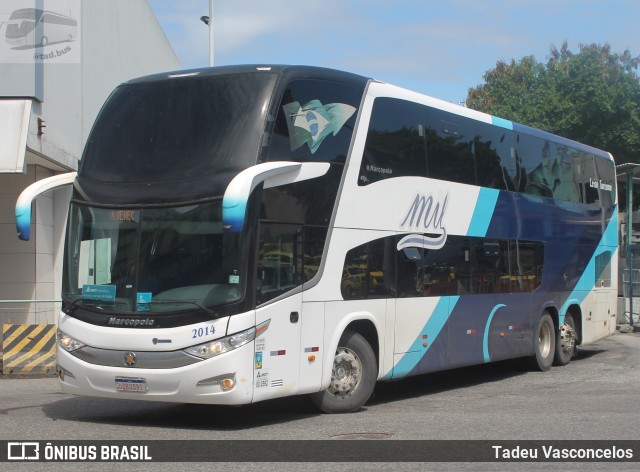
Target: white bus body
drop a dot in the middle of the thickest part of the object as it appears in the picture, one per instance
(379, 234)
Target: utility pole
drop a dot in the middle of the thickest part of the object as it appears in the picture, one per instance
(208, 20)
(211, 33)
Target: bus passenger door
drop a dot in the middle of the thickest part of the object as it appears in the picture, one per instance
(279, 271)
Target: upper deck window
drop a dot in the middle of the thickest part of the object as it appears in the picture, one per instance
(315, 121)
(409, 139)
(396, 142)
(179, 129)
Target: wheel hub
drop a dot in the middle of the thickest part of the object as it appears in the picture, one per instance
(567, 338)
(544, 340)
(347, 372)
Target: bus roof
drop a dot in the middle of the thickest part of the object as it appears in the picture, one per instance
(287, 71)
(34, 14)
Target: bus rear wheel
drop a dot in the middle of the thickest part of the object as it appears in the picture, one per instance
(353, 376)
(565, 341)
(545, 344)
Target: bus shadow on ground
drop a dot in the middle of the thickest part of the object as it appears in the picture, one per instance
(463, 377)
(448, 380)
(180, 415)
(278, 411)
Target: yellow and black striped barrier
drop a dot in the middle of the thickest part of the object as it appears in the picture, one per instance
(28, 349)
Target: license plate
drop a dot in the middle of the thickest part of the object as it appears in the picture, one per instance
(130, 384)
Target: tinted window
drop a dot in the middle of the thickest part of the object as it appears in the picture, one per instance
(288, 255)
(495, 157)
(381, 264)
(409, 268)
(462, 266)
(538, 160)
(450, 151)
(313, 244)
(459, 149)
(588, 179)
(506, 265)
(354, 274)
(551, 170)
(306, 202)
(396, 142)
(167, 254)
(448, 270)
(369, 271)
(606, 174)
(568, 174)
(596, 180)
(279, 265)
(178, 129)
(315, 121)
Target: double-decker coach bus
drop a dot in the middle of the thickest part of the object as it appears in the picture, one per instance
(242, 233)
(35, 27)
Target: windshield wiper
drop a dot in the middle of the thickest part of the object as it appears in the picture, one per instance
(71, 308)
(192, 302)
(75, 304)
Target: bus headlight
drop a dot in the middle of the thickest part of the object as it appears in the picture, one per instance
(226, 344)
(68, 343)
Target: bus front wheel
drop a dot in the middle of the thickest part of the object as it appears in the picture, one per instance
(545, 343)
(353, 376)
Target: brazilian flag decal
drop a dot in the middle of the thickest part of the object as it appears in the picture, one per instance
(313, 122)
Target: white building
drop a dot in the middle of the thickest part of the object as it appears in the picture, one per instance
(59, 60)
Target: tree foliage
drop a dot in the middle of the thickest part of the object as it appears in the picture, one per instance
(592, 96)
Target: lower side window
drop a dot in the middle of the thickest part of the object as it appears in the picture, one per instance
(462, 266)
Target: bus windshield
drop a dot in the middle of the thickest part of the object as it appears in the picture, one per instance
(22, 22)
(151, 260)
(193, 125)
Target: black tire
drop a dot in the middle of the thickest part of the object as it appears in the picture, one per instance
(563, 353)
(44, 41)
(355, 371)
(545, 344)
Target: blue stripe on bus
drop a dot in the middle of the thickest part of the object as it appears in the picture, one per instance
(587, 281)
(23, 222)
(501, 122)
(485, 205)
(431, 329)
(485, 338)
(233, 214)
(451, 319)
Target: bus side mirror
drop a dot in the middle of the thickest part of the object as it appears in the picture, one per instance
(23, 205)
(271, 174)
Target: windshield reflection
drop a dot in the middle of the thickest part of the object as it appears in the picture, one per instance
(151, 260)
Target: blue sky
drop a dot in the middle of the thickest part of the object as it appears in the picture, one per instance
(437, 47)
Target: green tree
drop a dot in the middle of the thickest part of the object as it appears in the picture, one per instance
(592, 96)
